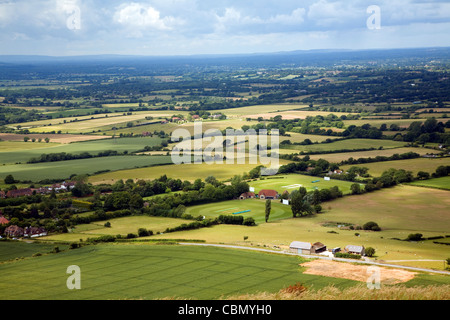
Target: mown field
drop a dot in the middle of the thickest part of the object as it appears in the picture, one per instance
(291, 182)
(154, 272)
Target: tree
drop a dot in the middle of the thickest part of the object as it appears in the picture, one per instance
(422, 175)
(47, 139)
(371, 225)
(356, 188)
(299, 204)
(9, 179)
(268, 208)
(370, 251)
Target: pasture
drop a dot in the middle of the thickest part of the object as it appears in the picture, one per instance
(399, 211)
(291, 182)
(64, 169)
(439, 183)
(142, 271)
(189, 172)
(414, 165)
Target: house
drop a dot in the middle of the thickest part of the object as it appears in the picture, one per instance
(300, 247)
(33, 232)
(196, 117)
(2, 194)
(247, 195)
(318, 247)
(19, 193)
(3, 220)
(355, 249)
(175, 119)
(268, 194)
(14, 231)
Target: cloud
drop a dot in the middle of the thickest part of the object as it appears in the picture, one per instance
(140, 16)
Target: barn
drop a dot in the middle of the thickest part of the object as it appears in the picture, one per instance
(318, 247)
(247, 195)
(300, 247)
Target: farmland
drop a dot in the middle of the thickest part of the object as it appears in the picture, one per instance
(358, 143)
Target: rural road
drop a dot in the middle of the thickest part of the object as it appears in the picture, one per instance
(318, 257)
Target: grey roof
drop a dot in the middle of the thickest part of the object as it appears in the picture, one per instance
(300, 245)
(354, 248)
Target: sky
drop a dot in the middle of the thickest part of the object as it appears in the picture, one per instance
(188, 27)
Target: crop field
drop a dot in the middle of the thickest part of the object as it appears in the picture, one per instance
(24, 249)
(291, 182)
(414, 165)
(64, 169)
(155, 272)
(57, 138)
(439, 183)
(348, 144)
(122, 226)
(402, 123)
(23, 152)
(189, 172)
(338, 157)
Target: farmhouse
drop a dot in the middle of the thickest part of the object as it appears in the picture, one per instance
(247, 195)
(34, 232)
(300, 247)
(14, 231)
(355, 249)
(268, 194)
(19, 193)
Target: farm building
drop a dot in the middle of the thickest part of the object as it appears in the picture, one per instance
(2, 194)
(355, 249)
(268, 194)
(19, 193)
(300, 247)
(14, 231)
(34, 232)
(247, 195)
(318, 247)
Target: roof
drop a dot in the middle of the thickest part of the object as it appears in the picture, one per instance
(353, 248)
(266, 192)
(248, 194)
(318, 245)
(3, 220)
(300, 245)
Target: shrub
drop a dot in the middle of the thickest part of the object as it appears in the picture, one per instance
(347, 255)
(370, 251)
(414, 237)
(371, 226)
(249, 222)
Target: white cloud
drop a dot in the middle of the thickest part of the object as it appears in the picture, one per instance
(141, 16)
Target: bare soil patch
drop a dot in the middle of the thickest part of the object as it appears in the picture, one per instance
(355, 272)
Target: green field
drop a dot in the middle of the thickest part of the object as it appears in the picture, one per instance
(439, 183)
(399, 211)
(291, 182)
(349, 144)
(189, 172)
(64, 169)
(153, 272)
(414, 165)
(13, 152)
(256, 207)
(122, 226)
(10, 250)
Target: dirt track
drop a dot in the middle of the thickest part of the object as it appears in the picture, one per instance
(355, 272)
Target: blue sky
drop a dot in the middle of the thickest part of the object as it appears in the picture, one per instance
(184, 27)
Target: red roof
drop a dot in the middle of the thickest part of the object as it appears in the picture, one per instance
(268, 193)
(3, 220)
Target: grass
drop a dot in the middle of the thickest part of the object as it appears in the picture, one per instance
(439, 183)
(10, 250)
(121, 226)
(64, 169)
(123, 271)
(399, 211)
(21, 153)
(349, 144)
(189, 172)
(414, 165)
(282, 183)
